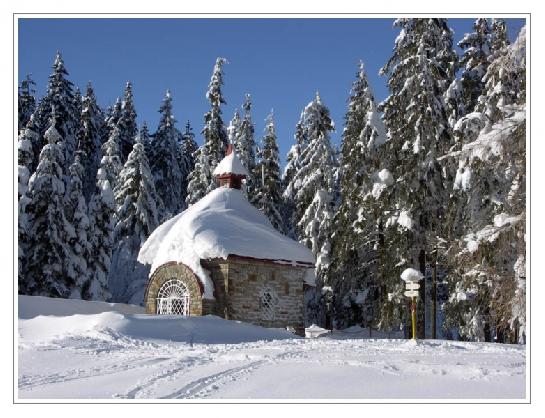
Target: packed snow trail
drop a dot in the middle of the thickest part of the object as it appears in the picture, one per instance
(111, 355)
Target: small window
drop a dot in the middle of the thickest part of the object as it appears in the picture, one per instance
(287, 289)
(268, 302)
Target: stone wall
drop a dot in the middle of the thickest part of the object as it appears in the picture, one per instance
(247, 282)
(174, 271)
(249, 290)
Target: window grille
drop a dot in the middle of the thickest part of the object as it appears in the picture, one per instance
(173, 298)
(268, 302)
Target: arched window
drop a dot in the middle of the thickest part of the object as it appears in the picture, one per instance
(173, 298)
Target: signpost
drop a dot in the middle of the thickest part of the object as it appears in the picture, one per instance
(412, 286)
(411, 278)
(411, 293)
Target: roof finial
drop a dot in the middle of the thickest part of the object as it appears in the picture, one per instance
(229, 149)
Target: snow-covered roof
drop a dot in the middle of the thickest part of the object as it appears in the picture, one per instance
(230, 165)
(222, 223)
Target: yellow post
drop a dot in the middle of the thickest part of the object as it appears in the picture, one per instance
(413, 317)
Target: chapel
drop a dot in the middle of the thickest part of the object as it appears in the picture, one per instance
(222, 256)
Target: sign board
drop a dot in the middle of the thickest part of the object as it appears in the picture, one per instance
(411, 293)
(412, 286)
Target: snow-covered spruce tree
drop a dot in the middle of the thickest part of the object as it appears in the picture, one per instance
(188, 147)
(245, 146)
(146, 139)
(127, 123)
(498, 38)
(488, 212)
(268, 192)
(136, 218)
(24, 161)
(26, 101)
(234, 127)
(111, 118)
(354, 269)
(314, 188)
(293, 164)
(207, 157)
(75, 209)
(165, 162)
(474, 62)
(101, 239)
(420, 70)
(314, 121)
(45, 270)
(111, 158)
(188, 140)
(60, 96)
(89, 140)
(28, 141)
(78, 103)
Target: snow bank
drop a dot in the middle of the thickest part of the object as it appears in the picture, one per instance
(222, 223)
(121, 328)
(411, 275)
(32, 306)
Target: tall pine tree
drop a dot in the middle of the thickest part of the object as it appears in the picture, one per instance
(26, 101)
(165, 162)
(201, 180)
(60, 96)
(268, 191)
(355, 243)
(188, 147)
(136, 219)
(24, 160)
(75, 209)
(110, 162)
(46, 268)
(89, 140)
(420, 69)
(487, 214)
(245, 144)
(313, 188)
(127, 123)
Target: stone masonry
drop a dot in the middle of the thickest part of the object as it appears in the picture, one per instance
(174, 271)
(250, 290)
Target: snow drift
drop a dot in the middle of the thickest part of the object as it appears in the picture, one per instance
(53, 320)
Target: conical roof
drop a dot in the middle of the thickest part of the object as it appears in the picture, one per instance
(230, 164)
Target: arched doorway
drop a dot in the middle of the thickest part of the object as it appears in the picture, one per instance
(173, 298)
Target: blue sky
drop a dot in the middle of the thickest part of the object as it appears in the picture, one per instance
(280, 62)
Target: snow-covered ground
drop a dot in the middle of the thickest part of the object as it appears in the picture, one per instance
(81, 350)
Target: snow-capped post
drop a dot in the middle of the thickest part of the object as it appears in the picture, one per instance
(411, 277)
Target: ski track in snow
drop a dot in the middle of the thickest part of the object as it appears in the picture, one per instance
(123, 356)
(181, 371)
